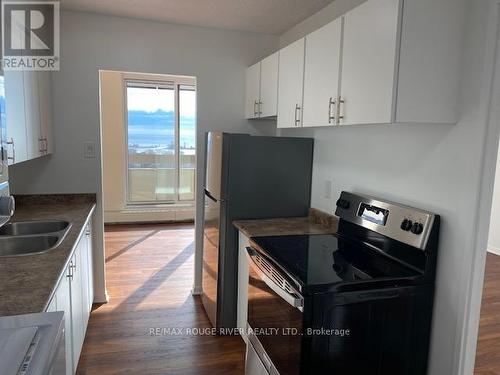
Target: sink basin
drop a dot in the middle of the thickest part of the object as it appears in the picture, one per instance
(23, 228)
(11, 246)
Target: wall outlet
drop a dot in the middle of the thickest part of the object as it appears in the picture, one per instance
(89, 150)
(327, 193)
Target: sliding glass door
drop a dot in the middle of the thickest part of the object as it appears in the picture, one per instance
(161, 133)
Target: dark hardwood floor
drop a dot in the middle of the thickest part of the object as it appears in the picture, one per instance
(488, 344)
(149, 280)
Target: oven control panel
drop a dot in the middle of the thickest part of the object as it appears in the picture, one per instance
(403, 223)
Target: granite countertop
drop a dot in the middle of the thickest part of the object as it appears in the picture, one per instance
(28, 282)
(317, 222)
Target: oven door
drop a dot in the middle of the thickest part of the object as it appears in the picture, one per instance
(274, 316)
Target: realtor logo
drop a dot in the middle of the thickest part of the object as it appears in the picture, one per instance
(30, 35)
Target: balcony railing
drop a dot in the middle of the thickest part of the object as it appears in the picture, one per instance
(152, 178)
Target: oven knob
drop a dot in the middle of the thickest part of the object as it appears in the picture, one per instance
(417, 228)
(406, 225)
(342, 203)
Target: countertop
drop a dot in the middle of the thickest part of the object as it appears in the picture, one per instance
(317, 222)
(28, 282)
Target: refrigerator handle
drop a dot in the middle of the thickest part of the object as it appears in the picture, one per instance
(207, 193)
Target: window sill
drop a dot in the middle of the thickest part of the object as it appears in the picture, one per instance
(159, 207)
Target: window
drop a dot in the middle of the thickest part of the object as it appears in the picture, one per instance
(161, 138)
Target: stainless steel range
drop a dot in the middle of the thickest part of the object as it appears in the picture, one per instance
(358, 302)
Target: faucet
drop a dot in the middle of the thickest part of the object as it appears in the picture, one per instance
(7, 208)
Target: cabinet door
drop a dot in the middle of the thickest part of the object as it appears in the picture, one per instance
(321, 74)
(369, 62)
(269, 86)
(63, 298)
(77, 307)
(88, 235)
(252, 91)
(290, 85)
(84, 266)
(15, 117)
(45, 100)
(87, 273)
(32, 110)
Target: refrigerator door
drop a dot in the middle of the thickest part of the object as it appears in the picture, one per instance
(211, 257)
(214, 164)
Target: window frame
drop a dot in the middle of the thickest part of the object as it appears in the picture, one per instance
(167, 82)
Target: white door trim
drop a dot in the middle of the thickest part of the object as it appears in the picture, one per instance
(474, 265)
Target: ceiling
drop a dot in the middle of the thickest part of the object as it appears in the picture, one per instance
(262, 16)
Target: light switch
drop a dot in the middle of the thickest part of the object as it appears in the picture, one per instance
(328, 189)
(89, 150)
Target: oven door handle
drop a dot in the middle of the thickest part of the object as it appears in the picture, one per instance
(294, 298)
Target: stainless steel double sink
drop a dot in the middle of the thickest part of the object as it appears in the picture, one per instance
(31, 237)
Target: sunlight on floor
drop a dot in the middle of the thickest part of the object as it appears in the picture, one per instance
(150, 271)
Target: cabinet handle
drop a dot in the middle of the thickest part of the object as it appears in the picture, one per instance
(297, 115)
(260, 108)
(70, 271)
(340, 113)
(13, 157)
(255, 104)
(331, 105)
(46, 145)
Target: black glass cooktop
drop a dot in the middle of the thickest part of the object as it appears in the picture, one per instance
(326, 259)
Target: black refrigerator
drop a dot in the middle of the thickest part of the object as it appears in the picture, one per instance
(246, 177)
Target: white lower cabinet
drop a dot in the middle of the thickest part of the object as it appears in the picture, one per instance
(77, 303)
(74, 296)
(88, 277)
(242, 304)
(61, 301)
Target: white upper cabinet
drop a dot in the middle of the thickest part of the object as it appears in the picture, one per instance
(430, 60)
(46, 130)
(385, 61)
(253, 91)
(269, 86)
(290, 85)
(28, 110)
(321, 75)
(401, 62)
(262, 88)
(15, 117)
(32, 110)
(369, 63)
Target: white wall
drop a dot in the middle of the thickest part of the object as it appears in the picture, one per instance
(494, 237)
(435, 167)
(90, 42)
